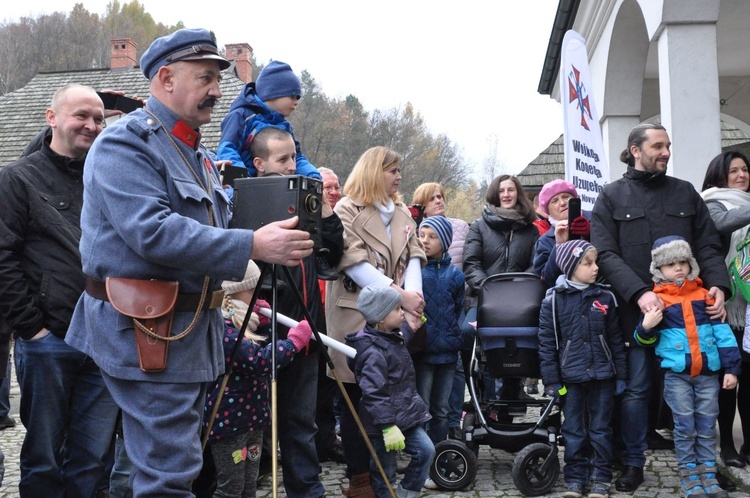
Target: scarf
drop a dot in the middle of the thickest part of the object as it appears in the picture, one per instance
(386, 213)
(505, 213)
(730, 198)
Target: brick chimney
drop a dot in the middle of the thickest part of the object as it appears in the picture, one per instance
(241, 54)
(122, 54)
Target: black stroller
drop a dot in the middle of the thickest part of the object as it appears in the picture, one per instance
(506, 346)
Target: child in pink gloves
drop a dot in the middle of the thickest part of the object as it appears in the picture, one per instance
(236, 437)
(391, 410)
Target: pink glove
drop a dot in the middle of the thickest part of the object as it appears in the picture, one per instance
(580, 226)
(261, 303)
(300, 335)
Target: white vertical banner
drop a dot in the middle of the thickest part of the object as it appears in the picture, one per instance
(585, 162)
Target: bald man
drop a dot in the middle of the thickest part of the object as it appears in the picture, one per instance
(65, 405)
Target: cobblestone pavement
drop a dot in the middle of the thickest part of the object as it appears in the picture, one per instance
(494, 479)
(493, 475)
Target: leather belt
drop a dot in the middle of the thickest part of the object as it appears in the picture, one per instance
(185, 302)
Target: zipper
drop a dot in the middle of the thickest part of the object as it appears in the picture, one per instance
(565, 353)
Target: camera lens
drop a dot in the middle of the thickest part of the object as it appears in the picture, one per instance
(312, 204)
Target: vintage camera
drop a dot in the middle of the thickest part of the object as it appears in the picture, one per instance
(263, 200)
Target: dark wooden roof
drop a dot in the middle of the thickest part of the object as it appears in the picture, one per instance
(22, 111)
(550, 163)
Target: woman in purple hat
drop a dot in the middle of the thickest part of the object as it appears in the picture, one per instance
(553, 200)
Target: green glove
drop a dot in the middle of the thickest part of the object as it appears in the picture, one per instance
(394, 439)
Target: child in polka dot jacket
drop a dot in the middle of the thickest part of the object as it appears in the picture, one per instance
(237, 432)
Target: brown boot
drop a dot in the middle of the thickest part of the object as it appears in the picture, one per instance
(359, 487)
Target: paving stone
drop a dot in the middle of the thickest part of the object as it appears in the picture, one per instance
(493, 473)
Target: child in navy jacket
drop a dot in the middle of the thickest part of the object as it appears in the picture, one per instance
(392, 412)
(443, 287)
(582, 355)
(236, 435)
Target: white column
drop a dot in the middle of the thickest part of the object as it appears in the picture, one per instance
(615, 132)
(689, 97)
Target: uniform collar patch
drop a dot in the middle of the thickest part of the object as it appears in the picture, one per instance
(186, 134)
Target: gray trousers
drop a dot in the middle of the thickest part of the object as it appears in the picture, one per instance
(161, 425)
(237, 459)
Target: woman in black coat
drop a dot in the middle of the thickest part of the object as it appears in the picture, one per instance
(501, 241)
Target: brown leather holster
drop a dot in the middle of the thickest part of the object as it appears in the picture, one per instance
(150, 303)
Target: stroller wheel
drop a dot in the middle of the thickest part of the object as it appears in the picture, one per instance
(529, 476)
(454, 467)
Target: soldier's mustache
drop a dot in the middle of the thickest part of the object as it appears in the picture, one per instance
(209, 102)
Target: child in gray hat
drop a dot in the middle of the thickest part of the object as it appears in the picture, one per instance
(694, 352)
(391, 410)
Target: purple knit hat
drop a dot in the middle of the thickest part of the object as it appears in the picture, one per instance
(553, 188)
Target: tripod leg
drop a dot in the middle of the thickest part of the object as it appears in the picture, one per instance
(274, 395)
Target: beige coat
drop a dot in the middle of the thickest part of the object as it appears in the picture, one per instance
(366, 239)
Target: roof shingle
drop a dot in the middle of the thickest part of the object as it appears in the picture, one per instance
(22, 111)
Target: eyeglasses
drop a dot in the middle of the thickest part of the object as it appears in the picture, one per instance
(330, 188)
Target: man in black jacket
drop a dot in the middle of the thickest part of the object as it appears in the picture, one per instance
(273, 153)
(629, 215)
(68, 413)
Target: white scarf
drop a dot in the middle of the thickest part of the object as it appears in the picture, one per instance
(730, 198)
(386, 213)
(737, 309)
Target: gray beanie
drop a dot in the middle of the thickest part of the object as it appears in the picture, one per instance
(376, 301)
(249, 281)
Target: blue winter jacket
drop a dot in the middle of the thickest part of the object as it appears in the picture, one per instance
(247, 115)
(443, 287)
(583, 341)
(686, 337)
(385, 373)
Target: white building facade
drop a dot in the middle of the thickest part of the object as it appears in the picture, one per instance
(684, 63)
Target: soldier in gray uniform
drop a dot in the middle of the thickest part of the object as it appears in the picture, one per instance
(154, 209)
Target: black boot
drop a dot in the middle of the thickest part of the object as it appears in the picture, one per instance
(455, 433)
(630, 479)
(725, 483)
(731, 458)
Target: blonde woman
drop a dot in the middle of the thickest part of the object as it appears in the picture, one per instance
(382, 248)
(432, 196)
